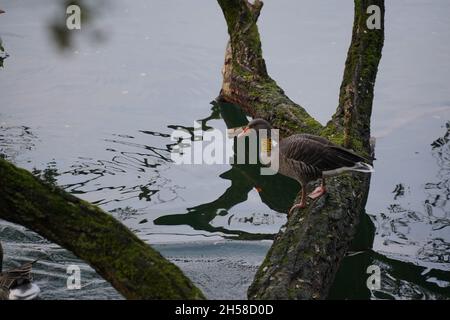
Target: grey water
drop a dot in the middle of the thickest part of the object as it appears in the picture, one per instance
(96, 119)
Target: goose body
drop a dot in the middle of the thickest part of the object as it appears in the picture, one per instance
(16, 284)
(306, 158)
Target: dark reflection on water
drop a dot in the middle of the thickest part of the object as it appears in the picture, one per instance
(402, 277)
(135, 179)
(276, 191)
(422, 275)
(146, 161)
(3, 54)
(146, 167)
(15, 140)
(397, 224)
(425, 275)
(399, 280)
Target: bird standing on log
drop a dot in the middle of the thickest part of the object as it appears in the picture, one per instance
(17, 284)
(306, 158)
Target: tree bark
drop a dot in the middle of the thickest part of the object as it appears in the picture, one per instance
(307, 252)
(245, 78)
(135, 269)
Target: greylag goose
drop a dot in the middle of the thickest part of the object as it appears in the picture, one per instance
(306, 158)
(17, 284)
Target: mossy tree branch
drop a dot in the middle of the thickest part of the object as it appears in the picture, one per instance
(135, 269)
(350, 125)
(307, 252)
(245, 78)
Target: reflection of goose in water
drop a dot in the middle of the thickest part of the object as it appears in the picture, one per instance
(17, 284)
(306, 158)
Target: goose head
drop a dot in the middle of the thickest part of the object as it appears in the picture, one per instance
(255, 124)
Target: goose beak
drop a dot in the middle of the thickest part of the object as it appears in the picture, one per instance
(244, 132)
(1, 11)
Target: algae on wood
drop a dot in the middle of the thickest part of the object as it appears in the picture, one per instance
(135, 269)
(307, 252)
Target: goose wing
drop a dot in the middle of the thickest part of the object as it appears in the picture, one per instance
(318, 152)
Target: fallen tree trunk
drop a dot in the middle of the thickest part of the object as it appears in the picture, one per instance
(135, 269)
(307, 252)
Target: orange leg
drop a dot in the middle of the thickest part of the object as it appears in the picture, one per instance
(300, 205)
(319, 191)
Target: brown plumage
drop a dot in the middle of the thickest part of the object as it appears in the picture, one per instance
(313, 156)
(18, 279)
(305, 158)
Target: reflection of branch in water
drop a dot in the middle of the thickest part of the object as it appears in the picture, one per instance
(421, 230)
(399, 279)
(437, 202)
(399, 191)
(152, 161)
(276, 191)
(3, 53)
(215, 114)
(148, 164)
(405, 279)
(14, 141)
(99, 177)
(397, 227)
(439, 192)
(244, 178)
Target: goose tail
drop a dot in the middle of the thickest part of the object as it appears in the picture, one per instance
(363, 167)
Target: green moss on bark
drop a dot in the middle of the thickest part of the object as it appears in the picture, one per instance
(306, 254)
(351, 122)
(131, 266)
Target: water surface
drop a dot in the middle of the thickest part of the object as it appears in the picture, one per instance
(97, 120)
